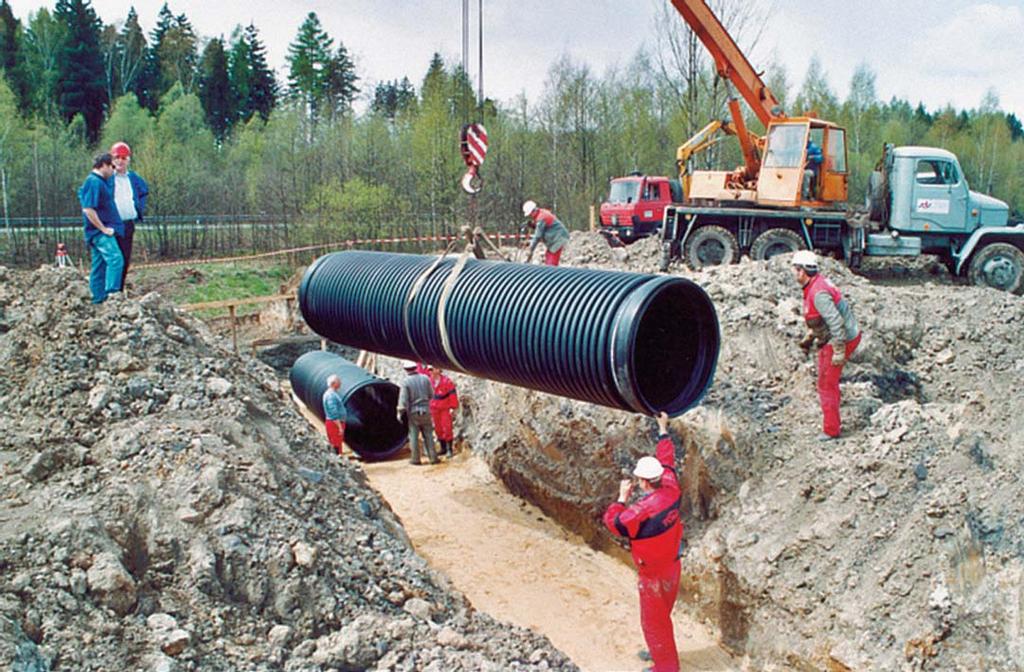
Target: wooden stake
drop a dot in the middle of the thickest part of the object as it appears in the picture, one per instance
(234, 328)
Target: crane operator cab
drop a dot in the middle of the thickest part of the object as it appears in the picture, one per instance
(804, 164)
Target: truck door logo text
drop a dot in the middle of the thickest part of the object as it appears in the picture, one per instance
(933, 206)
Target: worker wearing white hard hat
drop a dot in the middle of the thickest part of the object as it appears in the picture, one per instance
(655, 534)
(832, 326)
(806, 259)
(547, 228)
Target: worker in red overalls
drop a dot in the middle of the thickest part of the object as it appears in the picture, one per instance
(832, 325)
(442, 406)
(655, 532)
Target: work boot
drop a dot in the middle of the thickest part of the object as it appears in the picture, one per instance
(825, 437)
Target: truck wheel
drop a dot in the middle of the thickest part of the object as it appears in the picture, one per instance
(774, 242)
(711, 246)
(1000, 266)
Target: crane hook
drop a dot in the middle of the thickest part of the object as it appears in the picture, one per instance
(473, 145)
(471, 182)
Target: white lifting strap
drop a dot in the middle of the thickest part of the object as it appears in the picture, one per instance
(442, 307)
(414, 292)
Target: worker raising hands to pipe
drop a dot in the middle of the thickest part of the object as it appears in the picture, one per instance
(655, 532)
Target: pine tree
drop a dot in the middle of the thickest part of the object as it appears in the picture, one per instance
(341, 82)
(238, 70)
(132, 53)
(44, 39)
(81, 83)
(435, 82)
(1016, 129)
(310, 66)
(10, 55)
(252, 81)
(385, 99)
(215, 91)
(149, 86)
(392, 98)
(9, 28)
(174, 57)
(109, 49)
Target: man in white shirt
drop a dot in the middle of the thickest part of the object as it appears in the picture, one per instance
(130, 192)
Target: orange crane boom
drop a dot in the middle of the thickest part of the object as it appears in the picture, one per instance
(729, 60)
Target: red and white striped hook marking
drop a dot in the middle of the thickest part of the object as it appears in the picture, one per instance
(474, 150)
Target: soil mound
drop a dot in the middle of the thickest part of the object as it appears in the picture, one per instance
(162, 507)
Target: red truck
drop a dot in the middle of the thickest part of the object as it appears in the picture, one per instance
(635, 207)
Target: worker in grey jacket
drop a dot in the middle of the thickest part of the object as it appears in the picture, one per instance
(414, 410)
(830, 323)
(547, 228)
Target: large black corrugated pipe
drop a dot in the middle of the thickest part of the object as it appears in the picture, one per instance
(643, 343)
(372, 429)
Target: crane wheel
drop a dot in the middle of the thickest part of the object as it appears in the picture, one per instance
(1000, 266)
(711, 246)
(774, 242)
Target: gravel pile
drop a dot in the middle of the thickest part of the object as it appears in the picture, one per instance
(898, 547)
(163, 507)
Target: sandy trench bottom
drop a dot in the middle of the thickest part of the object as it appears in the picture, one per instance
(516, 564)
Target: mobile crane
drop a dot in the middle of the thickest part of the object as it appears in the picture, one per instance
(920, 202)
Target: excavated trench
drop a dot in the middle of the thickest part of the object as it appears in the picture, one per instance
(864, 554)
(526, 549)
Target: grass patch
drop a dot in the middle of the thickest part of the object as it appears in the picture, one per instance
(217, 282)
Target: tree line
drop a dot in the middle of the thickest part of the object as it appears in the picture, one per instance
(216, 131)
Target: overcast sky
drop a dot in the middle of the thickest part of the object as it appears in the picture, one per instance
(934, 51)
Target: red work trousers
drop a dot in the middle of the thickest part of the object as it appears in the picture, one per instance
(658, 588)
(828, 386)
(443, 427)
(552, 258)
(335, 434)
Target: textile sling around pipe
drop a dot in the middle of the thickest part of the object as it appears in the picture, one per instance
(372, 430)
(641, 343)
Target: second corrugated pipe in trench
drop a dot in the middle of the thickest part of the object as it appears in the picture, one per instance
(643, 343)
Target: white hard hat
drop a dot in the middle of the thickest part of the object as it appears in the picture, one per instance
(648, 468)
(528, 207)
(409, 365)
(805, 258)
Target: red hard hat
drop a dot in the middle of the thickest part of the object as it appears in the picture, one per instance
(120, 150)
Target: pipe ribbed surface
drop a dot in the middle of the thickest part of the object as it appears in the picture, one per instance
(372, 429)
(636, 342)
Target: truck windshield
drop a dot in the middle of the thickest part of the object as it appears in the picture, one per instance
(624, 191)
(786, 146)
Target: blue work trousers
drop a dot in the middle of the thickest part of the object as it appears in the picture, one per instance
(107, 267)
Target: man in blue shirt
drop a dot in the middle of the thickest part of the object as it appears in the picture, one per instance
(102, 225)
(335, 416)
(811, 169)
